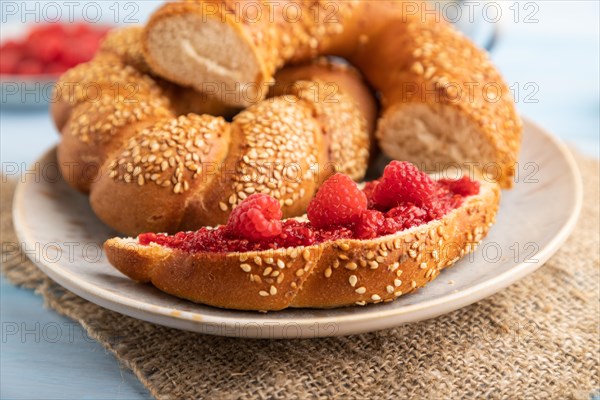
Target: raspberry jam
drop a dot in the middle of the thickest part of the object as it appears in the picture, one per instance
(375, 220)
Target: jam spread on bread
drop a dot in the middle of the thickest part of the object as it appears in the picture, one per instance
(402, 198)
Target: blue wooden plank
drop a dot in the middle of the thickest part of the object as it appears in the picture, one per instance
(45, 355)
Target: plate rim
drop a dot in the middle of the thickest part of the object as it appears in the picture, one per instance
(197, 322)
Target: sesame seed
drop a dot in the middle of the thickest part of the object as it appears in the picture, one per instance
(375, 297)
(246, 267)
(398, 293)
(423, 265)
(373, 264)
(258, 261)
(273, 290)
(389, 289)
(300, 272)
(222, 206)
(344, 246)
(397, 282)
(361, 290)
(417, 68)
(351, 266)
(343, 257)
(263, 293)
(280, 264)
(267, 271)
(306, 255)
(243, 257)
(413, 284)
(328, 272)
(353, 280)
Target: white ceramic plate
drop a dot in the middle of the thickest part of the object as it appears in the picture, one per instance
(59, 231)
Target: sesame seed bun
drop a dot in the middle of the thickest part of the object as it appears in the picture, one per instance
(331, 274)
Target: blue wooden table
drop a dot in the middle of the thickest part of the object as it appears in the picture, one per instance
(549, 52)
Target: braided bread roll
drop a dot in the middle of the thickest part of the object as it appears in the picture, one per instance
(442, 99)
(147, 167)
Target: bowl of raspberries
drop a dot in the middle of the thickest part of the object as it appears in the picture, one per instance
(33, 56)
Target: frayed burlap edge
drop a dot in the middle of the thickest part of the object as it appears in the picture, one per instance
(537, 339)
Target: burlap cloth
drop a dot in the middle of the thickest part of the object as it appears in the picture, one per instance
(537, 339)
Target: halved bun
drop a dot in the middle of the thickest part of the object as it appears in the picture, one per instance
(330, 274)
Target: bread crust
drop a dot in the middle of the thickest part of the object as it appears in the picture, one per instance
(331, 274)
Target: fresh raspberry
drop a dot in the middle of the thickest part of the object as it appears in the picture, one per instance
(338, 202)
(368, 191)
(29, 67)
(256, 218)
(390, 226)
(402, 183)
(9, 61)
(463, 186)
(369, 224)
(408, 215)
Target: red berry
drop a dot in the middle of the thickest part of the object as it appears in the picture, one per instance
(81, 49)
(9, 60)
(43, 31)
(256, 218)
(50, 49)
(11, 45)
(390, 226)
(55, 68)
(338, 202)
(408, 215)
(463, 186)
(29, 67)
(402, 183)
(369, 224)
(368, 191)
